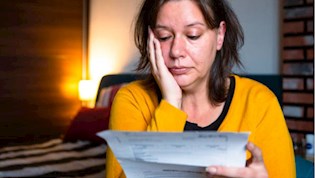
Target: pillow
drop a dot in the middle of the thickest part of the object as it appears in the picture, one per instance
(107, 95)
(86, 123)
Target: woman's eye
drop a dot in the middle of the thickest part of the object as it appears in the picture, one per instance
(164, 38)
(193, 37)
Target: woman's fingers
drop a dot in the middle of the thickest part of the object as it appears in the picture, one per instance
(156, 57)
(222, 171)
(152, 50)
(159, 57)
(255, 168)
(246, 172)
(256, 153)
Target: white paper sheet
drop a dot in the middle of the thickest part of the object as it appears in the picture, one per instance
(174, 154)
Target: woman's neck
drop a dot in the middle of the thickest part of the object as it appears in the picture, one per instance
(199, 108)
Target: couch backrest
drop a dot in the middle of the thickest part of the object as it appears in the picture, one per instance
(115, 79)
(272, 81)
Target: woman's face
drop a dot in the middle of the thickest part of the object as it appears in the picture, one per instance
(188, 45)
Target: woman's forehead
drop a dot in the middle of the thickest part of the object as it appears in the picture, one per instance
(180, 11)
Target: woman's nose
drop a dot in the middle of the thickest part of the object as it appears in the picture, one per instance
(177, 48)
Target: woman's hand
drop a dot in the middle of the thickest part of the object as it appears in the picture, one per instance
(171, 92)
(255, 167)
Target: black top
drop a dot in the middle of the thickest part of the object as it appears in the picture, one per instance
(216, 124)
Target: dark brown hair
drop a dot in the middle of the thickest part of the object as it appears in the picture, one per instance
(214, 12)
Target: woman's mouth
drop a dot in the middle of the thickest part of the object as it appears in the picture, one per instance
(178, 70)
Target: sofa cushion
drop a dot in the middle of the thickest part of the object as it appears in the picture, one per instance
(86, 123)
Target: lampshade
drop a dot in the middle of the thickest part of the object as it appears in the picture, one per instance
(87, 90)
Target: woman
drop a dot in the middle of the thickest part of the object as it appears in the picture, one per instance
(190, 47)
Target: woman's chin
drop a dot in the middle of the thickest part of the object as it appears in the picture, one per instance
(182, 82)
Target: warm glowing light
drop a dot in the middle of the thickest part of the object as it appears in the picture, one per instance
(87, 90)
(69, 89)
(68, 85)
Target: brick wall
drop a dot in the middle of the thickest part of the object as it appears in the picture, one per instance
(298, 66)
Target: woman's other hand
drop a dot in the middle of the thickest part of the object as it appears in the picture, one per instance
(255, 167)
(171, 92)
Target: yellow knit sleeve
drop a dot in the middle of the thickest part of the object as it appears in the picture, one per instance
(255, 109)
(167, 118)
(269, 131)
(273, 137)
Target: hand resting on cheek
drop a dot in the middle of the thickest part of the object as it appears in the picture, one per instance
(171, 92)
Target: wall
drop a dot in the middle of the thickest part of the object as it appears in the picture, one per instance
(112, 48)
(298, 67)
(260, 20)
(40, 66)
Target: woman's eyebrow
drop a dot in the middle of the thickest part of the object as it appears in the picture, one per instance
(162, 27)
(158, 26)
(195, 24)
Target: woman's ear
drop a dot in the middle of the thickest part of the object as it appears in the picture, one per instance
(221, 35)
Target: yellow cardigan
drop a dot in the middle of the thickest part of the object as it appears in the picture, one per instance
(253, 108)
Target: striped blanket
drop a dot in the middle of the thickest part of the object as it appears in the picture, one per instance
(54, 158)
